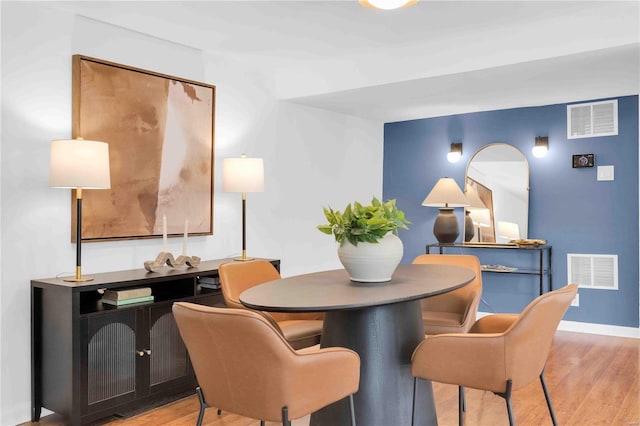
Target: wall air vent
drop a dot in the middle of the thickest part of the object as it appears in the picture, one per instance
(593, 270)
(592, 119)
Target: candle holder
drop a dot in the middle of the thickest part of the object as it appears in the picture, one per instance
(158, 263)
(182, 260)
(166, 258)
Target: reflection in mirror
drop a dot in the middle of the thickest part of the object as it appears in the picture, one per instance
(497, 188)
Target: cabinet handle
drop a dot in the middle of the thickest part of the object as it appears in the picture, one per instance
(147, 351)
(140, 353)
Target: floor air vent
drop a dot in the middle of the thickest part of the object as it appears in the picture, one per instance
(592, 119)
(593, 270)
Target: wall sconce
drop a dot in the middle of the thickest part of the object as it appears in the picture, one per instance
(455, 153)
(541, 147)
(387, 4)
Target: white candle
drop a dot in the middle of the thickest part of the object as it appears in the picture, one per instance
(164, 233)
(184, 238)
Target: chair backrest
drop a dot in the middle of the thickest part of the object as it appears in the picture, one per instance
(236, 355)
(457, 300)
(237, 277)
(528, 340)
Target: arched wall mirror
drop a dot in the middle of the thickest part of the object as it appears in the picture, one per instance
(497, 188)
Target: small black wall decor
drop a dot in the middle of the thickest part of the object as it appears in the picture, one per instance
(583, 160)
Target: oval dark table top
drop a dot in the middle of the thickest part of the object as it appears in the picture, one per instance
(333, 290)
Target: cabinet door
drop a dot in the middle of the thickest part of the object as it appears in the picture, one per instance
(108, 353)
(169, 365)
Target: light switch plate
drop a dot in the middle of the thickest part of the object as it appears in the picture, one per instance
(605, 173)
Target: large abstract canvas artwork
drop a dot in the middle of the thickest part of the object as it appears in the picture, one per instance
(160, 131)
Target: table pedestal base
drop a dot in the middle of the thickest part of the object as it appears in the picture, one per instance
(384, 337)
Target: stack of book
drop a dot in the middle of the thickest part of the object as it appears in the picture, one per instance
(209, 282)
(127, 296)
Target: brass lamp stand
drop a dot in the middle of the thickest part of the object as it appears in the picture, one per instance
(78, 277)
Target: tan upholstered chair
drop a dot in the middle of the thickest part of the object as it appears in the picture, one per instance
(245, 366)
(501, 352)
(455, 311)
(300, 329)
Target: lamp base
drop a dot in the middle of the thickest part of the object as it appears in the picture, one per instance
(243, 259)
(445, 228)
(77, 279)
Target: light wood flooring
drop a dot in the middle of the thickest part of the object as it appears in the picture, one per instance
(592, 379)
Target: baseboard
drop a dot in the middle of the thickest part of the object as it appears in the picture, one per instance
(606, 330)
(590, 328)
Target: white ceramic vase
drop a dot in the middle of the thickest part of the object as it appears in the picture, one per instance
(371, 262)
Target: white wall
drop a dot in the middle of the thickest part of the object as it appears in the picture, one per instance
(312, 158)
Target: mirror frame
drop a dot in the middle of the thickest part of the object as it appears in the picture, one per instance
(527, 189)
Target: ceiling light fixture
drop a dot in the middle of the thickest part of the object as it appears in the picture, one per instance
(387, 4)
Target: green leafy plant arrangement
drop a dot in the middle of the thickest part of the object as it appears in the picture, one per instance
(364, 224)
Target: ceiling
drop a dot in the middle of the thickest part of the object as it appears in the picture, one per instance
(435, 58)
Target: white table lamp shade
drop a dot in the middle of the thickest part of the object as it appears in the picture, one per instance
(243, 174)
(446, 193)
(79, 163)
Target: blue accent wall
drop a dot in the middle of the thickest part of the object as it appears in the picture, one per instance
(569, 207)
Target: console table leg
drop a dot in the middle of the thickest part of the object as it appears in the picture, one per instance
(541, 269)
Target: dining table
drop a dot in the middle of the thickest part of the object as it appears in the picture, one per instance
(380, 321)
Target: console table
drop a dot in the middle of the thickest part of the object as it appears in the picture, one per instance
(543, 253)
(91, 360)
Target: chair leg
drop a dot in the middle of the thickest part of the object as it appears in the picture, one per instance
(285, 417)
(353, 411)
(464, 399)
(510, 411)
(461, 407)
(548, 398)
(507, 397)
(261, 422)
(219, 411)
(203, 405)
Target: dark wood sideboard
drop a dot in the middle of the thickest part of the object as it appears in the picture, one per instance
(91, 360)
